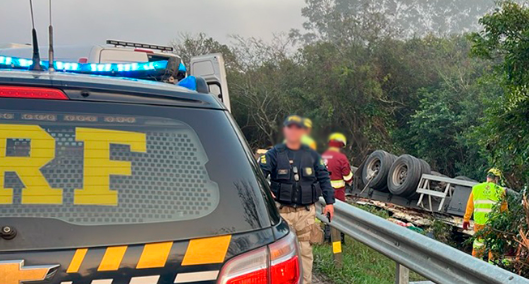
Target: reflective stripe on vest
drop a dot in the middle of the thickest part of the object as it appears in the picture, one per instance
(338, 183)
(349, 176)
(486, 196)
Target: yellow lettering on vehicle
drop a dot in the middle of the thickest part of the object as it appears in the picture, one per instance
(42, 151)
(97, 164)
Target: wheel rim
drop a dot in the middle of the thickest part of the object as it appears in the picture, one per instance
(400, 174)
(372, 167)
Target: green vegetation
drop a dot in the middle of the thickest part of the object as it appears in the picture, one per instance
(388, 81)
(361, 265)
(457, 101)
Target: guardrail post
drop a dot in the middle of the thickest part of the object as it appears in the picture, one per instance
(336, 240)
(402, 275)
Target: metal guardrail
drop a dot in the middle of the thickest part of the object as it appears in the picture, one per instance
(435, 261)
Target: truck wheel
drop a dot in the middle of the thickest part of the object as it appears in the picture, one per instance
(405, 174)
(377, 166)
(426, 169)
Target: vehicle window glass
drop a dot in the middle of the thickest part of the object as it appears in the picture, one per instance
(93, 169)
(99, 164)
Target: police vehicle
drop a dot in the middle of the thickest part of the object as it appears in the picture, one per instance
(210, 67)
(111, 180)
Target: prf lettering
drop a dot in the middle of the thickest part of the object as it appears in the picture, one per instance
(97, 164)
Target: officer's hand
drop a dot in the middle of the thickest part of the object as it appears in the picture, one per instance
(466, 225)
(329, 211)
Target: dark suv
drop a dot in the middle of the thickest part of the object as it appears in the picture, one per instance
(106, 180)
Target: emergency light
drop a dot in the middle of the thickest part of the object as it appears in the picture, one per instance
(86, 68)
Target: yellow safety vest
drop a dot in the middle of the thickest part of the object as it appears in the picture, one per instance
(485, 195)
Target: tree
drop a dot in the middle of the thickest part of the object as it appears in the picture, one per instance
(505, 129)
(339, 19)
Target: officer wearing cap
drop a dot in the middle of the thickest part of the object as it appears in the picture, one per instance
(298, 178)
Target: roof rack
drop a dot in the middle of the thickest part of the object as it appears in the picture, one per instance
(141, 45)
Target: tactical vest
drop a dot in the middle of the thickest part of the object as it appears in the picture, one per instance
(292, 185)
(485, 195)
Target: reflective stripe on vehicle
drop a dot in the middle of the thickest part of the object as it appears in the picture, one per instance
(154, 255)
(196, 276)
(207, 251)
(112, 258)
(77, 260)
(199, 251)
(145, 280)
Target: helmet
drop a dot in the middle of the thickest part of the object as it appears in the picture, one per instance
(307, 123)
(338, 137)
(494, 172)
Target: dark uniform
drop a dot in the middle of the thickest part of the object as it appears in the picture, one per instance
(298, 179)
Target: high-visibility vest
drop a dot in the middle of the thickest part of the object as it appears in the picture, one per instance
(485, 195)
(307, 140)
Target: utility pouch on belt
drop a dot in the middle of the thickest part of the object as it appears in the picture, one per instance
(316, 234)
(307, 195)
(286, 192)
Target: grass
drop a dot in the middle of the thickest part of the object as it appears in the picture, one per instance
(361, 264)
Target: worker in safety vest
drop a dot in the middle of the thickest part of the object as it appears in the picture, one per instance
(306, 139)
(482, 199)
(338, 165)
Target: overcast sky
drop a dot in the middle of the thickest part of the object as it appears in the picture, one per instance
(149, 21)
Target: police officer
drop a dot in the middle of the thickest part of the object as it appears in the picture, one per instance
(298, 178)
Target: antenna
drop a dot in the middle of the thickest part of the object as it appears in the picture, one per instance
(51, 67)
(36, 56)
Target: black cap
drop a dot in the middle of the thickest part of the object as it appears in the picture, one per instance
(294, 120)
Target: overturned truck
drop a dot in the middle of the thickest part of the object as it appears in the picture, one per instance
(410, 182)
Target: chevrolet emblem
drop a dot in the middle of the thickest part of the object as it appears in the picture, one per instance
(14, 272)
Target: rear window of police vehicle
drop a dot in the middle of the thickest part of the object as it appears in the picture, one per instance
(107, 164)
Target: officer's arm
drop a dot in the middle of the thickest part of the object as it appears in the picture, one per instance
(325, 180)
(267, 162)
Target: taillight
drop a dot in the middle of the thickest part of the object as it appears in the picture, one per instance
(284, 261)
(278, 264)
(31, 93)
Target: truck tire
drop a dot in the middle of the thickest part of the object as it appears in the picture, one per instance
(426, 169)
(380, 161)
(405, 174)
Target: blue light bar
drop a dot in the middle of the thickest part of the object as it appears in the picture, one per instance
(182, 67)
(87, 68)
(18, 62)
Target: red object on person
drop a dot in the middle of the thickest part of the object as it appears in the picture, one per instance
(339, 170)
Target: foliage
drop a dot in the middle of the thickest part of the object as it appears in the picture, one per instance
(507, 234)
(361, 265)
(338, 20)
(505, 128)
(383, 74)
